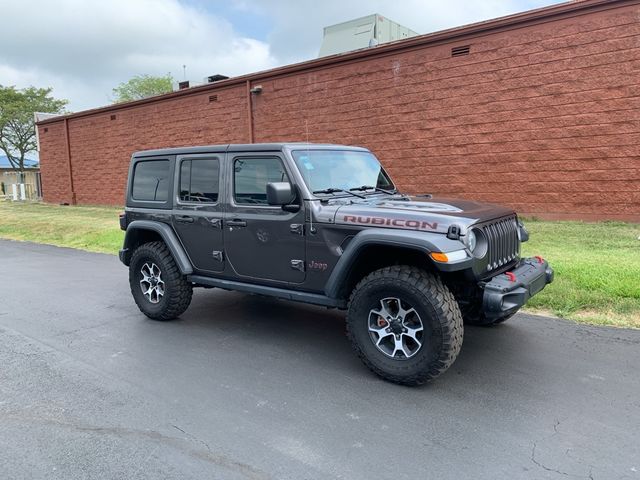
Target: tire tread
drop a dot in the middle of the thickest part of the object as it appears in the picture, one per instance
(447, 310)
(180, 290)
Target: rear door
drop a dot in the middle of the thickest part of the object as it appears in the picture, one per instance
(262, 241)
(198, 212)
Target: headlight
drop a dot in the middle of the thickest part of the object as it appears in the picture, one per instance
(477, 242)
(523, 234)
(472, 240)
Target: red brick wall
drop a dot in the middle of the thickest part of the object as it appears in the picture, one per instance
(54, 167)
(544, 118)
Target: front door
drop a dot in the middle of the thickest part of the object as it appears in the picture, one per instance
(262, 241)
(198, 212)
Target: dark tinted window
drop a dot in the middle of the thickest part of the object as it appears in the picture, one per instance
(199, 180)
(251, 176)
(151, 180)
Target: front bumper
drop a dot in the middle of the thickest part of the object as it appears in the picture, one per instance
(509, 291)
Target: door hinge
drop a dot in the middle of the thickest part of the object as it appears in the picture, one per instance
(217, 255)
(297, 265)
(215, 222)
(297, 228)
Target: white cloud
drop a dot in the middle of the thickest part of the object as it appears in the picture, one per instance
(84, 49)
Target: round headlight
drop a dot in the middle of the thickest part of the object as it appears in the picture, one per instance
(472, 240)
(477, 243)
(523, 235)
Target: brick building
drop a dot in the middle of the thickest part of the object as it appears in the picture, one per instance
(539, 111)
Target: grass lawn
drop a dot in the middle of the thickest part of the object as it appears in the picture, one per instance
(597, 268)
(89, 228)
(597, 264)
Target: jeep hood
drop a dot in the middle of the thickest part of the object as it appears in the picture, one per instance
(417, 213)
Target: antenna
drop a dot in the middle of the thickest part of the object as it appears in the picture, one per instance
(155, 192)
(184, 72)
(306, 127)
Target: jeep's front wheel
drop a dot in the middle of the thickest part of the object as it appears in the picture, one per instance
(404, 324)
(158, 288)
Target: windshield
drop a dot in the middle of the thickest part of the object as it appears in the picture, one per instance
(341, 169)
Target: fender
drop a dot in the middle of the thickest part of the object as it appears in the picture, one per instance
(167, 234)
(424, 242)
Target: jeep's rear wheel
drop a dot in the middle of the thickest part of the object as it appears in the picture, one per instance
(158, 288)
(404, 324)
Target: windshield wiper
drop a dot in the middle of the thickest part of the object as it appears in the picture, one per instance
(377, 189)
(338, 190)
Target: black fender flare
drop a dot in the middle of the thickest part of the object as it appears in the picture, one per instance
(168, 236)
(425, 242)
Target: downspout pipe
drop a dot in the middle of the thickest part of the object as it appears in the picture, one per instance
(249, 111)
(68, 152)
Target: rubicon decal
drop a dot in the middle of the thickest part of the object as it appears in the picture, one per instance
(392, 222)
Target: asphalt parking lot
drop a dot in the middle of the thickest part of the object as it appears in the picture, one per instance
(249, 387)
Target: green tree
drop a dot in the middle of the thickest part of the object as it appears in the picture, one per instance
(17, 124)
(142, 86)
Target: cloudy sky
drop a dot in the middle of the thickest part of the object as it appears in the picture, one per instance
(85, 48)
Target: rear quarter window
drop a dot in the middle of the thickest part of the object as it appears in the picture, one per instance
(199, 180)
(151, 181)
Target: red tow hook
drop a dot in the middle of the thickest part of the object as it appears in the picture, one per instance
(540, 259)
(511, 276)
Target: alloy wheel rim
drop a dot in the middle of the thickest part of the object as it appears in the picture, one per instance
(152, 285)
(396, 329)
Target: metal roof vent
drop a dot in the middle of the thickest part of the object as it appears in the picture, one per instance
(363, 32)
(460, 51)
(216, 78)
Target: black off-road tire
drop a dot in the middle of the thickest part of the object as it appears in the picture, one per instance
(439, 313)
(177, 290)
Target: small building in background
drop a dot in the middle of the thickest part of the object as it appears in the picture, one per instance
(360, 33)
(10, 177)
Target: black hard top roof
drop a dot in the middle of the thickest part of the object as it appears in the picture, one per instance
(244, 147)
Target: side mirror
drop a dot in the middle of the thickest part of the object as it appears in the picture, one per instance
(279, 193)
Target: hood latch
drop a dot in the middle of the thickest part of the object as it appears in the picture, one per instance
(453, 232)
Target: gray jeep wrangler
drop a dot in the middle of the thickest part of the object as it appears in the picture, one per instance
(324, 224)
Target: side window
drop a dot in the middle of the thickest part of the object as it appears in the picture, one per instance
(200, 180)
(151, 181)
(250, 178)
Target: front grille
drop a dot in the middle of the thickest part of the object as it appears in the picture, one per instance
(503, 245)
